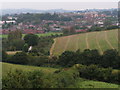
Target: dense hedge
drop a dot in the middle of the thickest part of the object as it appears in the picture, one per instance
(25, 59)
(110, 58)
(94, 72)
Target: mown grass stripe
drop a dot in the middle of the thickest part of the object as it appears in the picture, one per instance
(87, 45)
(108, 40)
(101, 51)
(91, 40)
(67, 43)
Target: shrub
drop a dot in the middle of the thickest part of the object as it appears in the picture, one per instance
(22, 79)
(25, 48)
(4, 55)
(37, 60)
(61, 79)
(19, 58)
(17, 43)
(94, 72)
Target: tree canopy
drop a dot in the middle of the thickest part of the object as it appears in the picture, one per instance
(31, 39)
(17, 34)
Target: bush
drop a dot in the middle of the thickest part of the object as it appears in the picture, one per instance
(110, 58)
(67, 59)
(61, 79)
(4, 55)
(37, 79)
(19, 58)
(94, 72)
(21, 79)
(37, 60)
(17, 43)
(25, 48)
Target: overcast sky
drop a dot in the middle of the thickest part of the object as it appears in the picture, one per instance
(71, 5)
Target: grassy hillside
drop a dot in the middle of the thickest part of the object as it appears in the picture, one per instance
(102, 41)
(80, 83)
(6, 67)
(44, 34)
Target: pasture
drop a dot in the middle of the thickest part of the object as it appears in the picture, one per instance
(101, 40)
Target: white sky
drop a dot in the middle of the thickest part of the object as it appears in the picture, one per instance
(59, 4)
(59, 0)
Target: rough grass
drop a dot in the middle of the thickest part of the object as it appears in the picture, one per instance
(6, 67)
(82, 83)
(101, 40)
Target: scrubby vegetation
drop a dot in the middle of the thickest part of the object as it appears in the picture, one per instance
(61, 78)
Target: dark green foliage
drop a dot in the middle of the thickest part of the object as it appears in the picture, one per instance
(37, 79)
(44, 45)
(37, 60)
(25, 48)
(4, 55)
(19, 58)
(14, 41)
(62, 79)
(21, 79)
(110, 58)
(96, 28)
(67, 59)
(31, 39)
(112, 27)
(17, 44)
(94, 72)
(68, 31)
(14, 35)
(36, 18)
(27, 59)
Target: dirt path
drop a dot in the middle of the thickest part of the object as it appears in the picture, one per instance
(98, 43)
(12, 52)
(52, 48)
(87, 41)
(108, 40)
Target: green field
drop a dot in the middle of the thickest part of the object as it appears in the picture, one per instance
(44, 34)
(101, 40)
(80, 83)
(6, 67)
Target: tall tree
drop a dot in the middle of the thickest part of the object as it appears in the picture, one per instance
(17, 34)
(31, 39)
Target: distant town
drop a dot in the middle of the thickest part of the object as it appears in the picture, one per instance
(82, 21)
